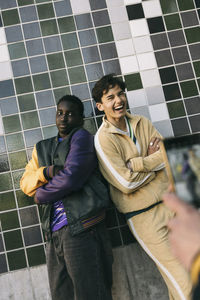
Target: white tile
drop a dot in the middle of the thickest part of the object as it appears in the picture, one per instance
(152, 8)
(150, 78)
(142, 110)
(118, 14)
(5, 70)
(136, 98)
(139, 27)
(164, 127)
(2, 36)
(111, 3)
(158, 112)
(80, 6)
(127, 2)
(121, 31)
(155, 95)
(125, 47)
(142, 44)
(147, 61)
(129, 64)
(4, 54)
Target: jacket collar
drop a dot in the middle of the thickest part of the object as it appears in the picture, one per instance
(133, 119)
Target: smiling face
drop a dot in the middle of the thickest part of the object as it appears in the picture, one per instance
(68, 117)
(113, 103)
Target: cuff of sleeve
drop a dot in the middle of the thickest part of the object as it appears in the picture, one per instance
(137, 164)
(40, 174)
(46, 173)
(195, 268)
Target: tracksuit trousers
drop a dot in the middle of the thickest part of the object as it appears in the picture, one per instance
(150, 230)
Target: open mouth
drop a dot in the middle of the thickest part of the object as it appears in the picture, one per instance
(119, 107)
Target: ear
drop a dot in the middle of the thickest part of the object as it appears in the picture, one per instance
(99, 105)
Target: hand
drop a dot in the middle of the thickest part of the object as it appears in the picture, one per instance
(128, 165)
(35, 199)
(184, 235)
(154, 146)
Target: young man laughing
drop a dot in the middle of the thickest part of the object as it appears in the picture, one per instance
(130, 159)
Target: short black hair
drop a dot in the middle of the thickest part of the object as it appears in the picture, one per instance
(104, 84)
(74, 100)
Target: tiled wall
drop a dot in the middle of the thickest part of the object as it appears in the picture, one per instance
(50, 48)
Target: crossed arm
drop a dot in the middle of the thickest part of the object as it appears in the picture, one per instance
(79, 165)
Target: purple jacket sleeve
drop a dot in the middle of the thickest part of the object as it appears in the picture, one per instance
(79, 165)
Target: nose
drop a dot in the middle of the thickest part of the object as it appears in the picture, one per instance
(64, 116)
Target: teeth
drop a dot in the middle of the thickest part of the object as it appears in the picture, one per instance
(119, 107)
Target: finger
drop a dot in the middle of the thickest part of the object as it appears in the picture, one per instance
(152, 141)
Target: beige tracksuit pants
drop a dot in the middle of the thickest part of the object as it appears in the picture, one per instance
(149, 228)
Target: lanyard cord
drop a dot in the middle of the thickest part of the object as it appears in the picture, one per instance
(132, 136)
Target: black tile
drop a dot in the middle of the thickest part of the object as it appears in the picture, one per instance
(115, 237)
(171, 92)
(6, 88)
(108, 51)
(168, 75)
(185, 71)
(112, 66)
(156, 24)
(160, 41)
(180, 127)
(29, 216)
(135, 11)
(32, 235)
(96, 4)
(4, 165)
(1, 244)
(195, 51)
(87, 37)
(91, 54)
(164, 58)
(83, 21)
(1, 22)
(195, 123)
(198, 11)
(197, 2)
(189, 18)
(94, 71)
(101, 18)
(192, 105)
(127, 236)
(176, 38)
(180, 55)
(3, 264)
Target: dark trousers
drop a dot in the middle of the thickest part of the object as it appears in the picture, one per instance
(80, 267)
